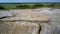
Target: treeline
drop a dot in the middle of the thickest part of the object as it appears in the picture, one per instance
(30, 6)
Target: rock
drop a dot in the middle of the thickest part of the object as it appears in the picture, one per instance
(4, 14)
(28, 15)
(55, 20)
(47, 29)
(27, 22)
(18, 28)
(57, 31)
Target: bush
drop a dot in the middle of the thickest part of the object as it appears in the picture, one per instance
(2, 8)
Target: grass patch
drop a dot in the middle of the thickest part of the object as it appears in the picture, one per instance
(28, 6)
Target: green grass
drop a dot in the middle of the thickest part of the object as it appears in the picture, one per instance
(28, 6)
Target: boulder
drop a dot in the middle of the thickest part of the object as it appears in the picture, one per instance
(4, 14)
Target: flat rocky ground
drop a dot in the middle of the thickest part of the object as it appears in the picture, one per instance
(14, 21)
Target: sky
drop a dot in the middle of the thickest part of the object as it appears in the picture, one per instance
(19, 1)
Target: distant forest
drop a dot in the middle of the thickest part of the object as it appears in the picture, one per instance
(8, 6)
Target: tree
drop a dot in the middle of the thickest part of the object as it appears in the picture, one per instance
(1, 7)
(22, 6)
